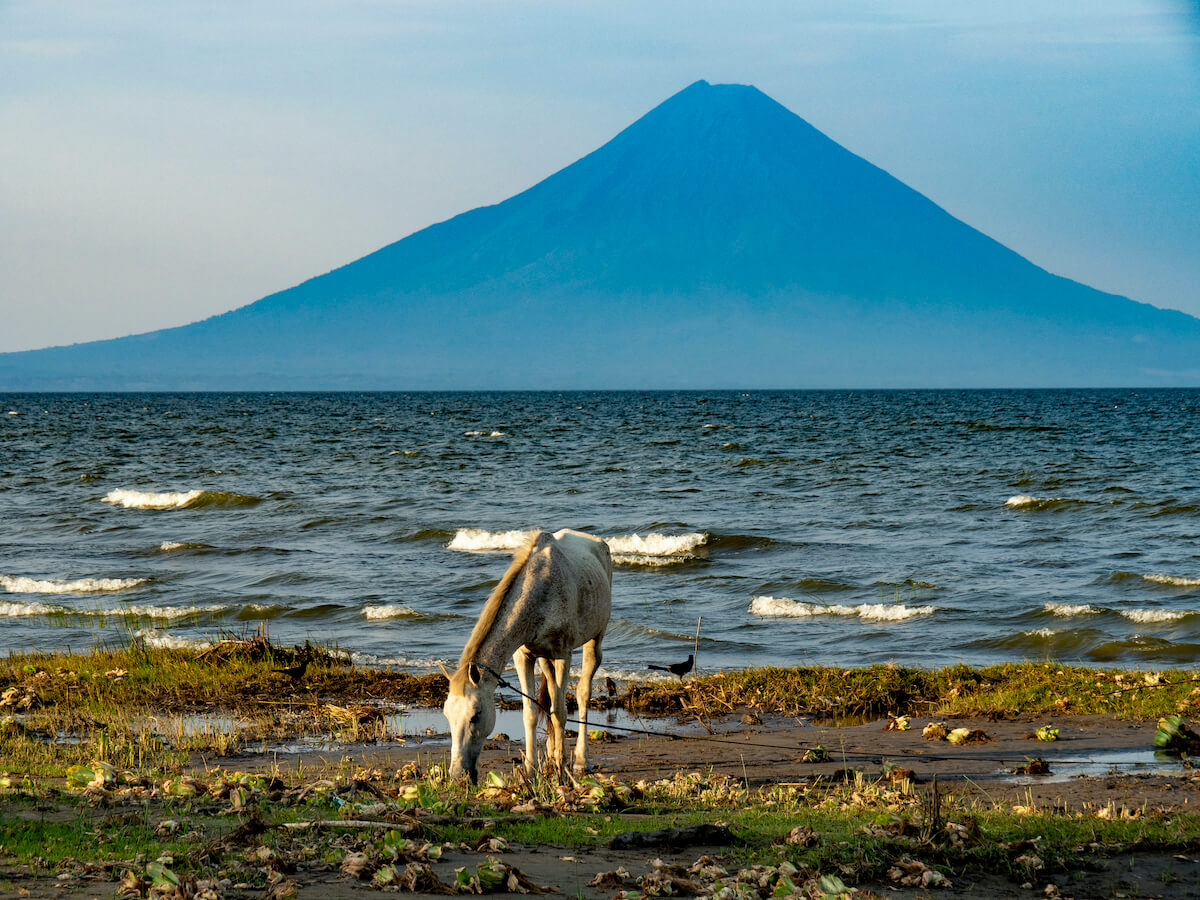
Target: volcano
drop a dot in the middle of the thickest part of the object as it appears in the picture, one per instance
(718, 241)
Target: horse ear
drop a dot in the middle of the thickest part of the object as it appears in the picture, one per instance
(445, 671)
(474, 674)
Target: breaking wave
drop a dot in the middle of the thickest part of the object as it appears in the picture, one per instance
(1172, 580)
(1024, 501)
(652, 549)
(477, 540)
(1067, 610)
(389, 611)
(18, 610)
(784, 607)
(16, 584)
(172, 546)
(160, 640)
(177, 499)
(1150, 616)
(484, 433)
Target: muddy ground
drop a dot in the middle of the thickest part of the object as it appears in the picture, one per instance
(1098, 764)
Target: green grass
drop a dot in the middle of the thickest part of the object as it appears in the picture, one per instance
(1008, 689)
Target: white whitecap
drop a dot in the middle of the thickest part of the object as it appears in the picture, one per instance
(1039, 632)
(1022, 500)
(642, 559)
(165, 612)
(373, 660)
(18, 584)
(161, 640)
(1149, 616)
(654, 544)
(785, 607)
(484, 433)
(18, 610)
(1173, 580)
(150, 499)
(1070, 609)
(477, 540)
(389, 611)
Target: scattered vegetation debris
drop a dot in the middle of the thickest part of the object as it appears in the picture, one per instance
(801, 836)
(817, 754)
(617, 878)
(1033, 766)
(494, 877)
(353, 714)
(1047, 733)
(935, 731)
(967, 736)
(913, 873)
(897, 774)
(897, 723)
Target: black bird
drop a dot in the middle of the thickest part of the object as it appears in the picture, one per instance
(610, 686)
(296, 672)
(679, 669)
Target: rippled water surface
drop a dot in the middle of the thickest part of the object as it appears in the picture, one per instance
(826, 527)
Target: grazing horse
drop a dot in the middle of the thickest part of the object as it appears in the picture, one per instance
(555, 596)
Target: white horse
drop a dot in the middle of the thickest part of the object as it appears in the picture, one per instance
(555, 596)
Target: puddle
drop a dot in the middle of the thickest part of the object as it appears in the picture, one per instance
(418, 726)
(839, 721)
(431, 725)
(1111, 762)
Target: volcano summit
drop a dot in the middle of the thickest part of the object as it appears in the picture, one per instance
(718, 241)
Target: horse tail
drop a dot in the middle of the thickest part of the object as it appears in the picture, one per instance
(543, 700)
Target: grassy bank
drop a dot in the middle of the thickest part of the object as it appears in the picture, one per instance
(106, 775)
(243, 676)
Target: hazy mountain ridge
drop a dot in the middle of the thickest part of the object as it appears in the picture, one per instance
(720, 240)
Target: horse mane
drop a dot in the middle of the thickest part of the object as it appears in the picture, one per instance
(487, 618)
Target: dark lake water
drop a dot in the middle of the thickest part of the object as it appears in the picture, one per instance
(925, 527)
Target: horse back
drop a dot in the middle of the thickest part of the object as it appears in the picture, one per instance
(575, 574)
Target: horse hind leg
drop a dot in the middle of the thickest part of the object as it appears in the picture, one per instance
(556, 732)
(526, 667)
(592, 656)
(553, 735)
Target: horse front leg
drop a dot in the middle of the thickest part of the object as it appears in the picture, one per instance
(526, 667)
(592, 656)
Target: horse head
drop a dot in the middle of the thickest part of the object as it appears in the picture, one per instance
(470, 709)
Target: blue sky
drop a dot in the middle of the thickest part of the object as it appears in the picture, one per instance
(165, 162)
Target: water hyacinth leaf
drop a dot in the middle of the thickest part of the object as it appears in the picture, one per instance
(160, 875)
(80, 775)
(784, 887)
(492, 874)
(831, 884)
(815, 754)
(496, 780)
(1047, 733)
(1174, 734)
(466, 882)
